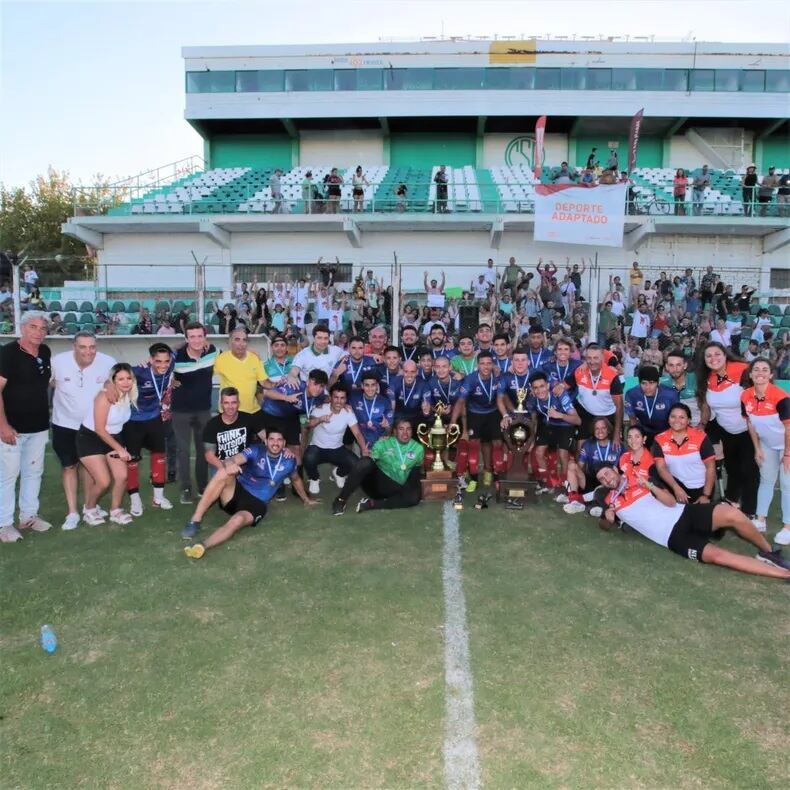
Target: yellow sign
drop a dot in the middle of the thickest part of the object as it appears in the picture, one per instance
(502, 52)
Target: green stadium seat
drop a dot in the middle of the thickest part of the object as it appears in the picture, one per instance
(123, 329)
(118, 307)
(774, 309)
(71, 306)
(70, 318)
(776, 320)
(178, 306)
(86, 307)
(785, 321)
(87, 318)
(787, 310)
(754, 309)
(103, 306)
(149, 304)
(54, 305)
(133, 307)
(89, 327)
(71, 328)
(162, 306)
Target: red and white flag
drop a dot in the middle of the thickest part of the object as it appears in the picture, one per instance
(540, 131)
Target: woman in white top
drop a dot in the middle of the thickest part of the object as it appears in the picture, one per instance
(358, 184)
(100, 446)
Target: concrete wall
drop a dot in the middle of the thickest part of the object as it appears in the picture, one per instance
(500, 149)
(344, 149)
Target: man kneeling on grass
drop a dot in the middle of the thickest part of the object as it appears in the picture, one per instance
(390, 476)
(244, 486)
(687, 529)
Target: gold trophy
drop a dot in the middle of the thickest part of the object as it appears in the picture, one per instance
(437, 483)
(516, 484)
(521, 396)
(438, 438)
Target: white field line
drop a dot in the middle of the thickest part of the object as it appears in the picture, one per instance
(461, 763)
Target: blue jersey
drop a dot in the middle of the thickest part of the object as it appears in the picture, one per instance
(503, 364)
(594, 455)
(652, 414)
(409, 397)
(510, 383)
(561, 403)
(556, 373)
(282, 408)
(263, 474)
(435, 392)
(153, 393)
(423, 376)
(443, 352)
(352, 377)
(388, 382)
(537, 358)
(370, 413)
(479, 393)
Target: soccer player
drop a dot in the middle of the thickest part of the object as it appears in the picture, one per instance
(244, 487)
(409, 395)
(553, 426)
(477, 396)
(377, 342)
(441, 387)
(408, 347)
(279, 363)
(637, 462)
(320, 355)
(465, 362)
(687, 530)
(536, 348)
(683, 381)
(648, 404)
(372, 410)
(229, 432)
(390, 476)
(560, 367)
(351, 369)
(483, 338)
(389, 371)
(146, 426)
(425, 365)
(517, 378)
(437, 342)
(501, 348)
(685, 459)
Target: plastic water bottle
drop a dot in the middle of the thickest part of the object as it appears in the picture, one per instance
(48, 639)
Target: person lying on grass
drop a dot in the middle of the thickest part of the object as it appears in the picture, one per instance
(244, 487)
(686, 529)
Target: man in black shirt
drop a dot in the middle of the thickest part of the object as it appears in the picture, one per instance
(191, 405)
(24, 425)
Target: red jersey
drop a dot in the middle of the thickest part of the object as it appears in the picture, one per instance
(768, 415)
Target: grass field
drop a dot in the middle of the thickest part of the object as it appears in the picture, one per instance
(309, 652)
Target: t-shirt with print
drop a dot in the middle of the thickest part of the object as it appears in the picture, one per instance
(229, 439)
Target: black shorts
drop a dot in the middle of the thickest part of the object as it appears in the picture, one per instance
(145, 434)
(358, 192)
(585, 430)
(290, 426)
(693, 493)
(713, 432)
(693, 531)
(90, 443)
(64, 443)
(484, 427)
(556, 437)
(244, 500)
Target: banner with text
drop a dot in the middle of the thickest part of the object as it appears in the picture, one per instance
(579, 214)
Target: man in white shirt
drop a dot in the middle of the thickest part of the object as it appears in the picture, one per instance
(329, 423)
(77, 376)
(320, 355)
(479, 288)
(640, 328)
(323, 305)
(490, 274)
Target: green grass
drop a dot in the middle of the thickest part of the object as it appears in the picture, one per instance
(308, 653)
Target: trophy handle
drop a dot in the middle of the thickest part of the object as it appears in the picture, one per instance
(453, 434)
(422, 432)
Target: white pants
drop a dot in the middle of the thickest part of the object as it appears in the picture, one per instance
(769, 471)
(23, 460)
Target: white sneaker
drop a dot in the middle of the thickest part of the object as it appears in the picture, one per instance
(120, 516)
(286, 481)
(314, 487)
(562, 499)
(136, 504)
(340, 481)
(164, 503)
(596, 511)
(759, 524)
(37, 524)
(92, 518)
(98, 509)
(72, 521)
(574, 507)
(783, 537)
(9, 534)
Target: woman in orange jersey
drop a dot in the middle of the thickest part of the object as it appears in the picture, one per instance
(767, 411)
(685, 459)
(719, 394)
(637, 462)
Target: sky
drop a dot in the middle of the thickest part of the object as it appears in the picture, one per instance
(98, 87)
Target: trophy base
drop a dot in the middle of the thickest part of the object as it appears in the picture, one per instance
(522, 489)
(438, 486)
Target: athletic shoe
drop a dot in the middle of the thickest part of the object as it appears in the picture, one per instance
(574, 507)
(98, 509)
(364, 504)
(482, 502)
(195, 551)
(561, 499)
(37, 524)
(596, 511)
(136, 504)
(782, 537)
(471, 486)
(72, 522)
(164, 503)
(9, 534)
(314, 487)
(462, 484)
(339, 481)
(338, 506)
(539, 489)
(458, 501)
(120, 516)
(774, 558)
(281, 495)
(92, 518)
(286, 481)
(488, 478)
(190, 530)
(759, 524)
(514, 504)
(186, 497)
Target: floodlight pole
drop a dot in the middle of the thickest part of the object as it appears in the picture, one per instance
(595, 286)
(396, 290)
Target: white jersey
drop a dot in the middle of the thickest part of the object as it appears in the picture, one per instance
(329, 435)
(76, 388)
(307, 360)
(117, 417)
